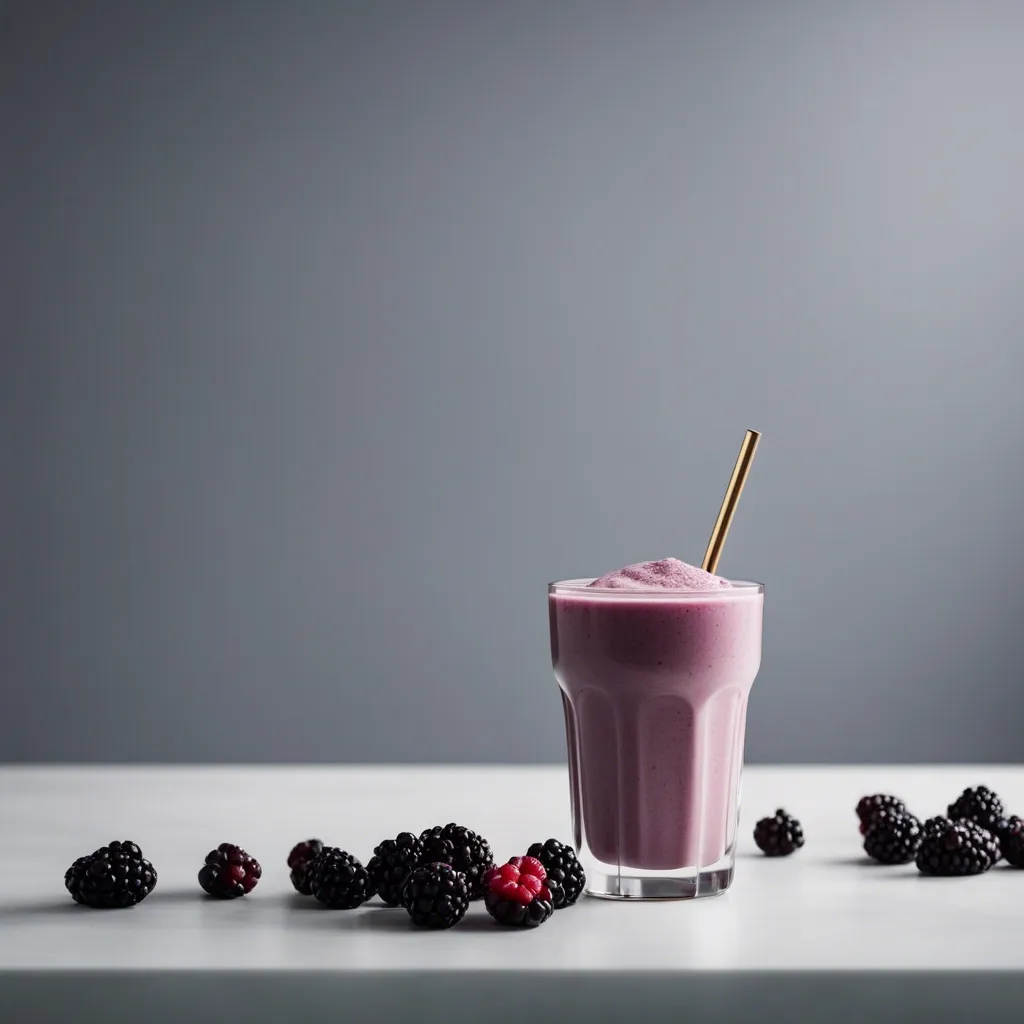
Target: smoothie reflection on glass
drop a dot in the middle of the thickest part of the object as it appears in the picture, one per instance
(655, 663)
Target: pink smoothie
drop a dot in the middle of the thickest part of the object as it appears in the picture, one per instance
(655, 663)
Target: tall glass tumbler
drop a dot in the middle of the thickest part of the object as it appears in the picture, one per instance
(654, 686)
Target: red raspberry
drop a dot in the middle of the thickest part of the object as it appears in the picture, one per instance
(530, 866)
(517, 894)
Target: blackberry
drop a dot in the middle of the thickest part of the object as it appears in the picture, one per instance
(1011, 841)
(471, 854)
(565, 875)
(116, 875)
(956, 848)
(435, 850)
(436, 896)
(75, 875)
(392, 862)
(869, 806)
(893, 838)
(780, 835)
(338, 880)
(517, 893)
(981, 806)
(229, 872)
(299, 860)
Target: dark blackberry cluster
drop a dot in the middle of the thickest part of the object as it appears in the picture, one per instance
(869, 806)
(779, 836)
(981, 806)
(392, 863)
(229, 872)
(955, 848)
(116, 875)
(436, 896)
(299, 860)
(338, 880)
(565, 875)
(435, 850)
(470, 854)
(517, 893)
(1011, 841)
(893, 838)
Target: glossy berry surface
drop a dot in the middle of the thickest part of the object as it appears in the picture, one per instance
(470, 853)
(869, 806)
(1011, 842)
(114, 876)
(436, 896)
(950, 848)
(299, 860)
(565, 875)
(979, 805)
(338, 880)
(779, 835)
(394, 859)
(517, 893)
(229, 872)
(893, 838)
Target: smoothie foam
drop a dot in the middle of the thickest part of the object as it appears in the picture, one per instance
(665, 574)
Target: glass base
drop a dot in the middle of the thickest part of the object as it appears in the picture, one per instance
(608, 882)
(653, 887)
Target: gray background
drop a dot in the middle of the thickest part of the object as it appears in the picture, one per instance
(333, 331)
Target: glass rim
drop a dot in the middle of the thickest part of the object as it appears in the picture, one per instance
(581, 587)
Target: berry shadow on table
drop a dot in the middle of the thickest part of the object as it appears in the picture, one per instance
(910, 873)
(297, 902)
(43, 908)
(863, 861)
(397, 920)
(195, 895)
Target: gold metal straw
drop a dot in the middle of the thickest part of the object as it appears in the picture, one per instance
(730, 501)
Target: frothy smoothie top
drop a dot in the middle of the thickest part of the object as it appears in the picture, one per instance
(665, 574)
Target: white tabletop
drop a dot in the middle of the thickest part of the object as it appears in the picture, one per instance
(824, 907)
